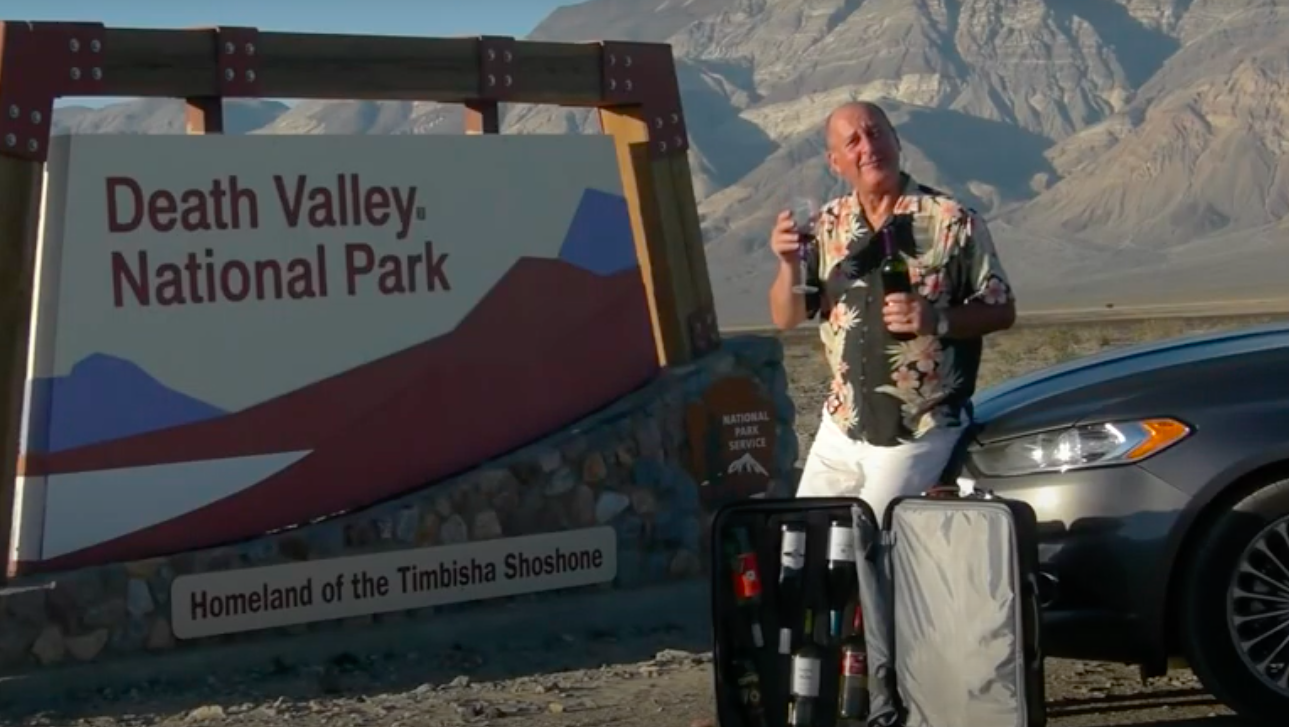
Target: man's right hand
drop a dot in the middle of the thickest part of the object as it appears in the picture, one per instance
(784, 240)
(787, 307)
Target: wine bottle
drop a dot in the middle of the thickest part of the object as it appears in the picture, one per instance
(747, 581)
(806, 663)
(852, 696)
(895, 271)
(843, 579)
(749, 691)
(792, 581)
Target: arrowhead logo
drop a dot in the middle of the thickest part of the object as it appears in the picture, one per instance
(746, 464)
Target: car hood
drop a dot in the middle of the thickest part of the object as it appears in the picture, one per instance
(1072, 392)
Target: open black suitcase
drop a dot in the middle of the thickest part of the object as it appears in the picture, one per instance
(947, 589)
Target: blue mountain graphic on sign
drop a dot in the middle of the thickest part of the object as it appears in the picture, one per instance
(599, 237)
(105, 398)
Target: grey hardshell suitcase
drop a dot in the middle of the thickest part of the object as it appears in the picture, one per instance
(948, 587)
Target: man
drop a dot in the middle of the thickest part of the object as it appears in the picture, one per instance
(897, 408)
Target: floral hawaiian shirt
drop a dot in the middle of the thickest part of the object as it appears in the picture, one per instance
(885, 391)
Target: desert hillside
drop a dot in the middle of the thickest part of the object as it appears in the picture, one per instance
(1127, 151)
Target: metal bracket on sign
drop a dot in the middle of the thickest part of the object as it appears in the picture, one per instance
(497, 67)
(645, 74)
(38, 63)
(703, 334)
(238, 50)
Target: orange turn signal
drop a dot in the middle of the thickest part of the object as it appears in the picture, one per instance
(1160, 435)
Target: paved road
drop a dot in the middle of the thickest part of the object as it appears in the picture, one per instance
(1100, 314)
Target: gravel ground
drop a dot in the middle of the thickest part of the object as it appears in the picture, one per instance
(671, 689)
(651, 677)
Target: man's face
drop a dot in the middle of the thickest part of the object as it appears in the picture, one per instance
(863, 149)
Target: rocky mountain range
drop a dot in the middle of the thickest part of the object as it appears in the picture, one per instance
(1126, 151)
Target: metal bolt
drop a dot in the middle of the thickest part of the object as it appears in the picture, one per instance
(492, 54)
(628, 60)
(492, 80)
(680, 141)
(74, 45)
(662, 146)
(250, 49)
(628, 84)
(76, 74)
(10, 140)
(613, 84)
(657, 122)
(509, 81)
(14, 112)
(36, 117)
(613, 59)
(229, 48)
(675, 118)
(509, 56)
(250, 76)
(95, 46)
(229, 74)
(32, 145)
(96, 73)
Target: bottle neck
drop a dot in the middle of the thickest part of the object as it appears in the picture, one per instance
(888, 242)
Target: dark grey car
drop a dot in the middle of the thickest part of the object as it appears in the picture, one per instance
(1160, 475)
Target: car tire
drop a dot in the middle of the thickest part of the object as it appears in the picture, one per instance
(1208, 638)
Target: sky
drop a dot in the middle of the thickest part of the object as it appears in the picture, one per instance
(375, 17)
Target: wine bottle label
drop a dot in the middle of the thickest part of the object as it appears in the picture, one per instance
(805, 676)
(841, 543)
(750, 689)
(747, 584)
(854, 664)
(792, 551)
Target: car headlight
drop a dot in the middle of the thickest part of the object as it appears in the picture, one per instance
(1091, 445)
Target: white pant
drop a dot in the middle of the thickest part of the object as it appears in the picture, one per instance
(839, 466)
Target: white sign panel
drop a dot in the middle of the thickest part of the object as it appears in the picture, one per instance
(210, 604)
(230, 330)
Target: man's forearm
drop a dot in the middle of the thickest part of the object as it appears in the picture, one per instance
(787, 309)
(975, 320)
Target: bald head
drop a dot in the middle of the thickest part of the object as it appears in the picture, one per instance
(863, 147)
(856, 112)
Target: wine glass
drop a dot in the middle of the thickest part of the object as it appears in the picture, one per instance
(805, 214)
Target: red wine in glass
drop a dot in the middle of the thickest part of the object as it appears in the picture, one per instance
(805, 214)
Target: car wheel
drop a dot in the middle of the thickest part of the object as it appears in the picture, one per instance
(1235, 605)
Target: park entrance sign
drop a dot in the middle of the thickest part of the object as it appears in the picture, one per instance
(211, 341)
(236, 334)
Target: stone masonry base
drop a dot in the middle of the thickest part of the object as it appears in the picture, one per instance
(625, 467)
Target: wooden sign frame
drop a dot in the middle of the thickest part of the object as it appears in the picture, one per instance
(633, 85)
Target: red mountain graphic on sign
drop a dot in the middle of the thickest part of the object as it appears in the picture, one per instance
(417, 416)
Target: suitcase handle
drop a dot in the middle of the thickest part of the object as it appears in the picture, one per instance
(943, 492)
(951, 492)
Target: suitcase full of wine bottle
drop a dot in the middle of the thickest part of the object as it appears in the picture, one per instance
(823, 616)
(792, 643)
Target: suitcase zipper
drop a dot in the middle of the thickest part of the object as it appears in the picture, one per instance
(1018, 582)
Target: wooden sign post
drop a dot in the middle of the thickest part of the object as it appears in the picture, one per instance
(633, 85)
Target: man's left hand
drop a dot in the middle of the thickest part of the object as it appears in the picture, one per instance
(908, 313)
